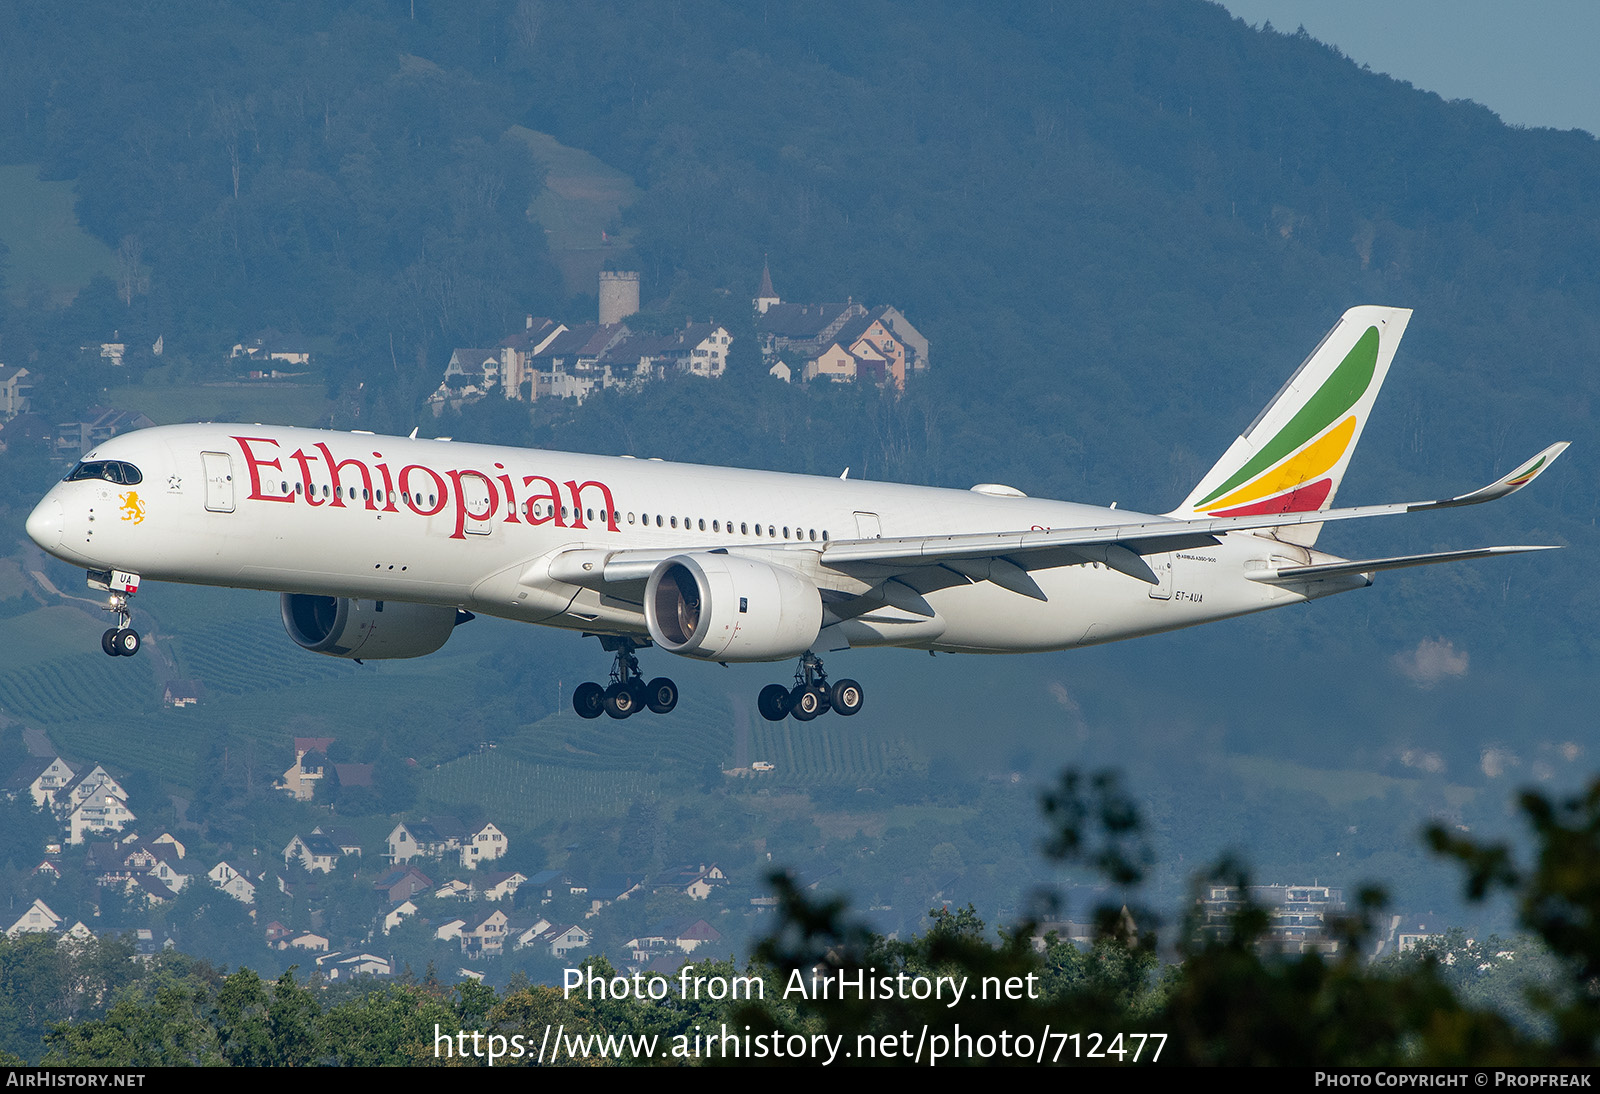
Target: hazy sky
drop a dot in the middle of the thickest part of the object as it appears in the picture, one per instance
(1533, 63)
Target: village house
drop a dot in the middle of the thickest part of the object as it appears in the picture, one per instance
(844, 343)
(13, 391)
(345, 839)
(315, 853)
(101, 811)
(234, 881)
(562, 940)
(310, 765)
(435, 838)
(500, 886)
(695, 882)
(84, 786)
(37, 919)
(181, 693)
(682, 935)
(132, 863)
(523, 929)
(40, 779)
(346, 966)
(485, 844)
(402, 883)
(485, 934)
(600, 889)
(272, 345)
(397, 915)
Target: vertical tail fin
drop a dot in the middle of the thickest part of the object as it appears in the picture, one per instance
(1292, 458)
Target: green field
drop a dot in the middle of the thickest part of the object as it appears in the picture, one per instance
(582, 197)
(1338, 788)
(275, 403)
(47, 247)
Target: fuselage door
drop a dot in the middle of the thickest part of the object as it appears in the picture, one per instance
(1162, 565)
(868, 526)
(219, 481)
(475, 491)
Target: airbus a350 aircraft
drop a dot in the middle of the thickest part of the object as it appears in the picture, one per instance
(382, 545)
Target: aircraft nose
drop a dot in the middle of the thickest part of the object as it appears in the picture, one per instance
(45, 524)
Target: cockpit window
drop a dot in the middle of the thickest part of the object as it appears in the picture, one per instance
(123, 474)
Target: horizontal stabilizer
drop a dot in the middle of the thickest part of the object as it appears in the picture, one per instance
(1295, 574)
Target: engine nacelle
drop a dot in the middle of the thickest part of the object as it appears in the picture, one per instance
(342, 627)
(728, 608)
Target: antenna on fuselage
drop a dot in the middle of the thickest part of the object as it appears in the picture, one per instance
(413, 433)
(845, 474)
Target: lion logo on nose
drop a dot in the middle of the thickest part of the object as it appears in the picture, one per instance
(132, 507)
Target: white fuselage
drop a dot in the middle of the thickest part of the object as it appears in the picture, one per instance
(477, 527)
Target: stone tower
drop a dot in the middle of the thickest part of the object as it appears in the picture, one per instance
(619, 295)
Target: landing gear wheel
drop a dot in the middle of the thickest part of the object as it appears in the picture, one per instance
(588, 699)
(773, 702)
(127, 642)
(108, 642)
(806, 702)
(661, 695)
(640, 693)
(620, 701)
(845, 697)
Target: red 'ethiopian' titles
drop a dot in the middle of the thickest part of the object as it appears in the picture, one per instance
(473, 495)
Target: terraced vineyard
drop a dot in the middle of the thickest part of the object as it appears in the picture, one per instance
(698, 732)
(241, 656)
(531, 794)
(828, 750)
(81, 686)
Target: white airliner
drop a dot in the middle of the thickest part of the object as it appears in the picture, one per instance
(382, 545)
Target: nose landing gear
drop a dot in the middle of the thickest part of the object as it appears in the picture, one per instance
(121, 640)
(627, 694)
(811, 695)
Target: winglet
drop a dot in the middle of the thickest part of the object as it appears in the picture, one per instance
(1508, 484)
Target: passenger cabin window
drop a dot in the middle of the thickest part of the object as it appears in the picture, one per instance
(117, 471)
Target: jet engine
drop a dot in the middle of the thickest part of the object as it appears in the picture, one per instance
(726, 608)
(359, 629)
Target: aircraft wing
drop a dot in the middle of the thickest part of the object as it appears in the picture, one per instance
(1119, 545)
(1006, 557)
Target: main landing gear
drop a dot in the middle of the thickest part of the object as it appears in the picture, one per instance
(121, 640)
(627, 694)
(811, 695)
